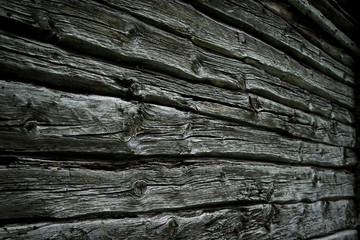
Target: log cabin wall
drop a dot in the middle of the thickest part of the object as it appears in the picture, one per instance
(204, 119)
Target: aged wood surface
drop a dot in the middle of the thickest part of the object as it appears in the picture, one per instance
(56, 67)
(48, 191)
(344, 235)
(328, 8)
(317, 16)
(204, 119)
(298, 22)
(242, 107)
(135, 41)
(263, 221)
(276, 31)
(37, 119)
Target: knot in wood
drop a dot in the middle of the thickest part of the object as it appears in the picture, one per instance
(140, 188)
(315, 179)
(30, 126)
(172, 227)
(238, 227)
(196, 66)
(270, 192)
(135, 89)
(255, 104)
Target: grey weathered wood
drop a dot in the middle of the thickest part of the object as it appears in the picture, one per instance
(252, 16)
(337, 17)
(316, 15)
(44, 63)
(73, 72)
(264, 221)
(139, 42)
(344, 235)
(335, 50)
(37, 119)
(179, 125)
(43, 189)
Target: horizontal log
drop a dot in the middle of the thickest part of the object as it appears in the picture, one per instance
(247, 16)
(344, 235)
(259, 21)
(140, 43)
(264, 221)
(293, 17)
(37, 119)
(73, 72)
(336, 16)
(43, 189)
(51, 65)
(306, 8)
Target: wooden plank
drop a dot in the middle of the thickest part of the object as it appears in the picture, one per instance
(252, 17)
(73, 72)
(134, 41)
(337, 17)
(245, 15)
(344, 235)
(48, 190)
(264, 221)
(37, 119)
(306, 8)
(293, 17)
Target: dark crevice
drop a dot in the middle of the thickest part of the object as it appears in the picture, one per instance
(210, 207)
(112, 162)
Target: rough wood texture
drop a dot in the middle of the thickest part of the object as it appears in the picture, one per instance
(242, 107)
(331, 12)
(58, 68)
(278, 32)
(135, 41)
(307, 9)
(48, 191)
(37, 119)
(205, 119)
(315, 36)
(344, 235)
(264, 221)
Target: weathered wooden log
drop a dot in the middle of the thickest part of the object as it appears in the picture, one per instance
(135, 41)
(241, 107)
(309, 10)
(37, 119)
(344, 235)
(293, 17)
(264, 24)
(264, 221)
(45, 190)
(46, 64)
(328, 8)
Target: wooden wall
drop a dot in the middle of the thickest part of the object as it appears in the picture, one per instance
(204, 119)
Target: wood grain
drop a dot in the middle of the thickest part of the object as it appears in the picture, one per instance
(134, 41)
(263, 221)
(49, 190)
(37, 119)
(262, 23)
(314, 35)
(73, 72)
(205, 119)
(317, 16)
